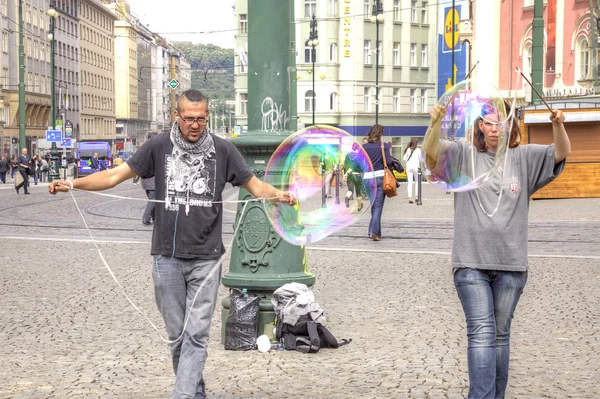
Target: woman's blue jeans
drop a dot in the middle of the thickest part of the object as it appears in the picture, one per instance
(377, 209)
(489, 299)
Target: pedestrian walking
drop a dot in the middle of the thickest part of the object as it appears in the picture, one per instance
(4, 168)
(95, 163)
(14, 166)
(353, 175)
(373, 149)
(44, 169)
(191, 167)
(149, 212)
(34, 166)
(412, 157)
(23, 162)
(489, 253)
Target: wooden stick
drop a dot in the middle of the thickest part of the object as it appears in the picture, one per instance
(537, 92)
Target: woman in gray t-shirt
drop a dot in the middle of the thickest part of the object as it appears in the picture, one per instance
(489, 254)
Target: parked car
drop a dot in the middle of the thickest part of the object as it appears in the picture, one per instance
(86, 150)
(124, 155)
(401, 177)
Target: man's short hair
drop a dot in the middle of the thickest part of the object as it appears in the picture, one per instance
(193, 96)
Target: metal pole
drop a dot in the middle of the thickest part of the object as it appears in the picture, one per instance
(377, 69)
(313, 105)
(337, 183)
(419, 191)
(323, 180)
(54, 173)
(22, 110)
(537, 56)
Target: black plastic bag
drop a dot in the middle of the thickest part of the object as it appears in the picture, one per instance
(241, 327)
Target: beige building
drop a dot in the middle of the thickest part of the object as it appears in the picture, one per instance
(37, 73)
(97, 72)
(126, 72)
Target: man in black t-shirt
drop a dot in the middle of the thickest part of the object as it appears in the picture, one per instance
(23, 165)
(191, 167)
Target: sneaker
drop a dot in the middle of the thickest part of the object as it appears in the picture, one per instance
(347, 201)
(328, 195)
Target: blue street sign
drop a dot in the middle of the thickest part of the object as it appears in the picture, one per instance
(65, 143)
(53, 135)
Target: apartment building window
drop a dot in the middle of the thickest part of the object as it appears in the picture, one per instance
(243, 103)
(309, 53)
(424, 12)
(413, 11)
(423, 55)
(379, 53)
(367, 52)
(396, 100)
(413, 102)
(527, 58)
(333, 48)
(333, 7)
(396, 54)
(396, 10)
(367, 9)
(333, 101)
(584, 58)
(413, 54)
(310, 8)
(7, 115)
(5, 42)
(244, 23)
(309, 101)
(367, 99)
(423, 100)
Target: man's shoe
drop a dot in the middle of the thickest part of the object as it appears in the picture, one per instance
(146, 222)
(375, 238)
(17, 190)
(347, 201)
(27, 193)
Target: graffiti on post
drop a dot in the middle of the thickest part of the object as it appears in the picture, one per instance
(274, 118)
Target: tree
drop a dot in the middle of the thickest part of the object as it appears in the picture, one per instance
(212, 69)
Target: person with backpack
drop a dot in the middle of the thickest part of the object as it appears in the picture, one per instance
(412, 156)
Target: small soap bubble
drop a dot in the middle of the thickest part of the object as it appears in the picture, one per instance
(475, 119)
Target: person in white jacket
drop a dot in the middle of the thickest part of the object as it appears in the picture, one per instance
(412, 156)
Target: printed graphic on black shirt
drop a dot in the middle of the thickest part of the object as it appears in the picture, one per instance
(192, 183)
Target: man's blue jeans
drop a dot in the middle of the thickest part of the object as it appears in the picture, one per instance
(377, 209)
(176, 281)
(489, 299)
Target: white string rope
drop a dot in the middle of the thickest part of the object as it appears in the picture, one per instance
(159, 201)
(208, 277)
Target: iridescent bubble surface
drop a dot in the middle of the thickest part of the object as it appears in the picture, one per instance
(308, 164)
(450, 147)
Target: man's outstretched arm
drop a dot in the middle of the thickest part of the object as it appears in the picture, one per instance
(104, 180)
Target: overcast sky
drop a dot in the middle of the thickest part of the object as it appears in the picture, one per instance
(167, 17)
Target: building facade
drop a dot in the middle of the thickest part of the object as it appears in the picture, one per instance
(67, 70)
(344, 66)
(146, 49)
(161, 120)
(98, 122)
(37, 73)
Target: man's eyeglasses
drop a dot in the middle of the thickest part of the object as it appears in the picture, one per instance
(189, 120)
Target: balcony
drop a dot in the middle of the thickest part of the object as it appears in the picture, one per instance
(465, 30)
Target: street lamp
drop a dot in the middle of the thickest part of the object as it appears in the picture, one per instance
(54, 171)
(313, 41)
(377, 18)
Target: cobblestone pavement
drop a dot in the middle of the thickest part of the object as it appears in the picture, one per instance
(67, 330)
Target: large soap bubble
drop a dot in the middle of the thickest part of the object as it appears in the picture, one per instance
(308, 163)
(449, 148)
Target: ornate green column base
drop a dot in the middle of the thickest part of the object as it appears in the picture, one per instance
(261, 261)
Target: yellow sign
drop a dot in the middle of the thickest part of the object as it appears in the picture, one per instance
(347, 22)
(451, 31)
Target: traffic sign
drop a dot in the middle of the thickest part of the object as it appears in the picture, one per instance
(53, 135)
(66, 143)
(173, 84)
